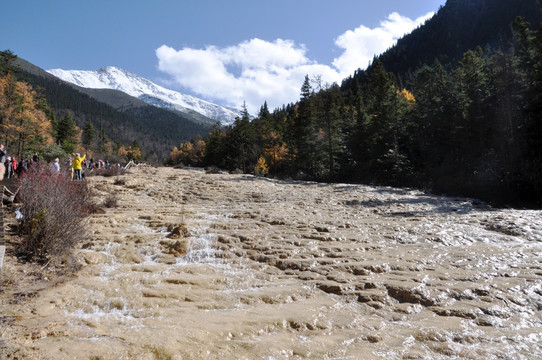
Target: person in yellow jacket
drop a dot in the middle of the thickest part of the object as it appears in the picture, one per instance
(77, 166)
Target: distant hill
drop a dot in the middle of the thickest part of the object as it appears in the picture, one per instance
(124, 118)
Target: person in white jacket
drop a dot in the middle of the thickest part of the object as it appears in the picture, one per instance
(2, 161)
(55, 166)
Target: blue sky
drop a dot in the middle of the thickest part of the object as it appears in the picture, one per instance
(225, 51)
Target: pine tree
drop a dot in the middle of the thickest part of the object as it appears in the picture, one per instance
(472, 127)
(434, 115)
(89, 135)
(7, 63)
(530, 66)
(215, 145)
(242, 143)
(66, 134)
(380, 155)
(330, 123)
(305, 133)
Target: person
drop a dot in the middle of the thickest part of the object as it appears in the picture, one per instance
(15, 165)
(2, 161)
(55, 166)
(9, 168)
(22, 167)
(35, 158)
(77, 167)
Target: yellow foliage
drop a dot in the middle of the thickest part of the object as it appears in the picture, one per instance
(188, 152)
(407, 95)
(23, 123)
(199, 151)
(261, 166)
(276, 153)
(271, 136)
(174, 155)
(129, 153)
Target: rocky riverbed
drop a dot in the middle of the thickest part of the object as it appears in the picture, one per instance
(192, 265)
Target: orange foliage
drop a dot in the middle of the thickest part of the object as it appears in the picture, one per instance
(277, 153)
(407, 95)
(129, 153)
(22, 122)
(261, 166)
(189, 153)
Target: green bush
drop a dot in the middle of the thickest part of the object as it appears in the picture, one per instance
(47, 153)
(53, 213)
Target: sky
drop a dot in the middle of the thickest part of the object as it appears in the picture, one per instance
(230, 52)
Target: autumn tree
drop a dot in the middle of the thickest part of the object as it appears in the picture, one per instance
(129, 153)
(23, 124)
(261, 167)
(188, 153)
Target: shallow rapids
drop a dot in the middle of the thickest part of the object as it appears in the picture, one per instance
(290, 270)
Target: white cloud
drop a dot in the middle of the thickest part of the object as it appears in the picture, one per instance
(268, 71)
(257, 70)
(362, 44)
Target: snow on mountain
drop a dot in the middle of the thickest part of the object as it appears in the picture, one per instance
(118, 79)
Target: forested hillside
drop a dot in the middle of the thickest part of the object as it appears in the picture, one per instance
(155, 130)
(466, 122)
(459, 26)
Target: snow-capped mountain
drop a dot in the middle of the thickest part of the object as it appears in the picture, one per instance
(134, 85)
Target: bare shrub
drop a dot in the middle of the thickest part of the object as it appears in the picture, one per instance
(111, 201)
(212, 170)
(120, 181)
(53, 213)
(112, 171)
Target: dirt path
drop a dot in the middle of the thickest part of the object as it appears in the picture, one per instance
(283, 270)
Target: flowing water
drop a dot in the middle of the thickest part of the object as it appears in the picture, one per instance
(292, 270)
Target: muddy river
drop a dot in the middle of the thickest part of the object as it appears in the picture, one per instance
(269, 269)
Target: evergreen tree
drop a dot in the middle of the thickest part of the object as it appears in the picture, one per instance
(330, 122)
(472, 127)
(380, 156)
(435, 146)
(530, 66)
(215, 144)
(264, 111)
(89, 135)
(66, 134)
(305, 134)
(7, 63)
(508, 132)
(242, 143)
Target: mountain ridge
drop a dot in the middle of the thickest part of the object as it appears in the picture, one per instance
(123, 117)
(111, 77)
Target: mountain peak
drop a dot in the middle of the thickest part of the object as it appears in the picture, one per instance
(111, 77)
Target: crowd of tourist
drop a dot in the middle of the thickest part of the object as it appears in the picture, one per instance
(77, 164)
